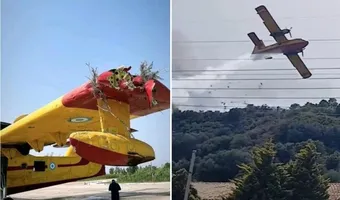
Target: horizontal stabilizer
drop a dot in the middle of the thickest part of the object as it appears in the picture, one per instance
(4, 125)
(257, 42)
(133, 130)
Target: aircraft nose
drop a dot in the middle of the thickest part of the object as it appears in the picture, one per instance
(306, 42)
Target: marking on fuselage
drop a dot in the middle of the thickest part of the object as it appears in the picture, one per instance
(52, 166)
(79, 119)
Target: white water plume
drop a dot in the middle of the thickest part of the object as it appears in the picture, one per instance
(237, 79)
(212, 73)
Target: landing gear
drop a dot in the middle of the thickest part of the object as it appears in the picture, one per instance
(3, 181)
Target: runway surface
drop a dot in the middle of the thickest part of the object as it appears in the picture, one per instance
(97, 190)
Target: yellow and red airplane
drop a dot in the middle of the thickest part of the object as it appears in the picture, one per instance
(289, 48)
(93, 120)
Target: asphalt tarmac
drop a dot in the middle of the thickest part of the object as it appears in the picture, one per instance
(97, 190)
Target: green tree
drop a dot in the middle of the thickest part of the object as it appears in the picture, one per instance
(179, 181)
(174, 108)
(334, 176)
(307, 181)
(263, 179)
(132, 169)
(337, 110)
(214, 133)
(333, 161)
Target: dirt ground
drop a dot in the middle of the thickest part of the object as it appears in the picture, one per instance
(97, 190)
(214, 191)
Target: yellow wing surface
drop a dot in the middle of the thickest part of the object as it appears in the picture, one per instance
(299, 65)
(78, 111)
(270, 23)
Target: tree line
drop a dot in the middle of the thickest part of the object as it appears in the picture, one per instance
(138, 174)
(141, 174)
(224, 140)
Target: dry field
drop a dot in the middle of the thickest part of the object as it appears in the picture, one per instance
(214, 191)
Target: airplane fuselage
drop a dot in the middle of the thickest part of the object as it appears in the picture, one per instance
(287, 47)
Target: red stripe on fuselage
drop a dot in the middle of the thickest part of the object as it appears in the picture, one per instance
(81, 162)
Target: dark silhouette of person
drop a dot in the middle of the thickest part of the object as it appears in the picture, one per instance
(114, 188)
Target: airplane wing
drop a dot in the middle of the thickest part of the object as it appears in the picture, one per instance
(299, 65)
(270, 23)
(77, 110)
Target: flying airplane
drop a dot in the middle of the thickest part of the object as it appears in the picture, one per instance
(93, 121)
(289, 48)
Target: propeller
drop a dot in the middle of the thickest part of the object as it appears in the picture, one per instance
(289, 31)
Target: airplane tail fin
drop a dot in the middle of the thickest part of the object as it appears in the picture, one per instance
(257, 42)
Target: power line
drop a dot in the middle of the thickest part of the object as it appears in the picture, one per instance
(224, 59)
(245, 97)
(212, 106)
(246, 41)
(256, 18)
(255, 79)
(259, 69)
(204, 106)
(310, 88)
(242, 74)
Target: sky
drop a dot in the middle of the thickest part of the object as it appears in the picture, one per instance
(228, 20)
(46, 45)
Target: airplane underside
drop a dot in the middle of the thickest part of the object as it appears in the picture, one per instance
(261, 56)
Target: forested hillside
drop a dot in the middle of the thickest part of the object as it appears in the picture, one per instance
(224, 139)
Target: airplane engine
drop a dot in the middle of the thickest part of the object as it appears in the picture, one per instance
(111, 149)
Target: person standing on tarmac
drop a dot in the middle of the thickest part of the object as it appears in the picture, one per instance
(114, 188)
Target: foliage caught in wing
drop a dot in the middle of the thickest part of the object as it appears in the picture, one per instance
(146, 72)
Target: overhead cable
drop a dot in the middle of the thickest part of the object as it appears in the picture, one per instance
(250, 97)
(247, 41)
(229, 88)
(253, 69)
(255, 79)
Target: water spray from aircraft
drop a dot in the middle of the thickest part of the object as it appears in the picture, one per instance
(241, 61)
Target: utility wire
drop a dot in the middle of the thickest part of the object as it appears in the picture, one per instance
(245, 97)
(242, 74)
(247, 41)
(223, 59)
(254, 79)
(215, 106)
(250, 19)
(212, 88)
(203, 106)
(259, 69)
